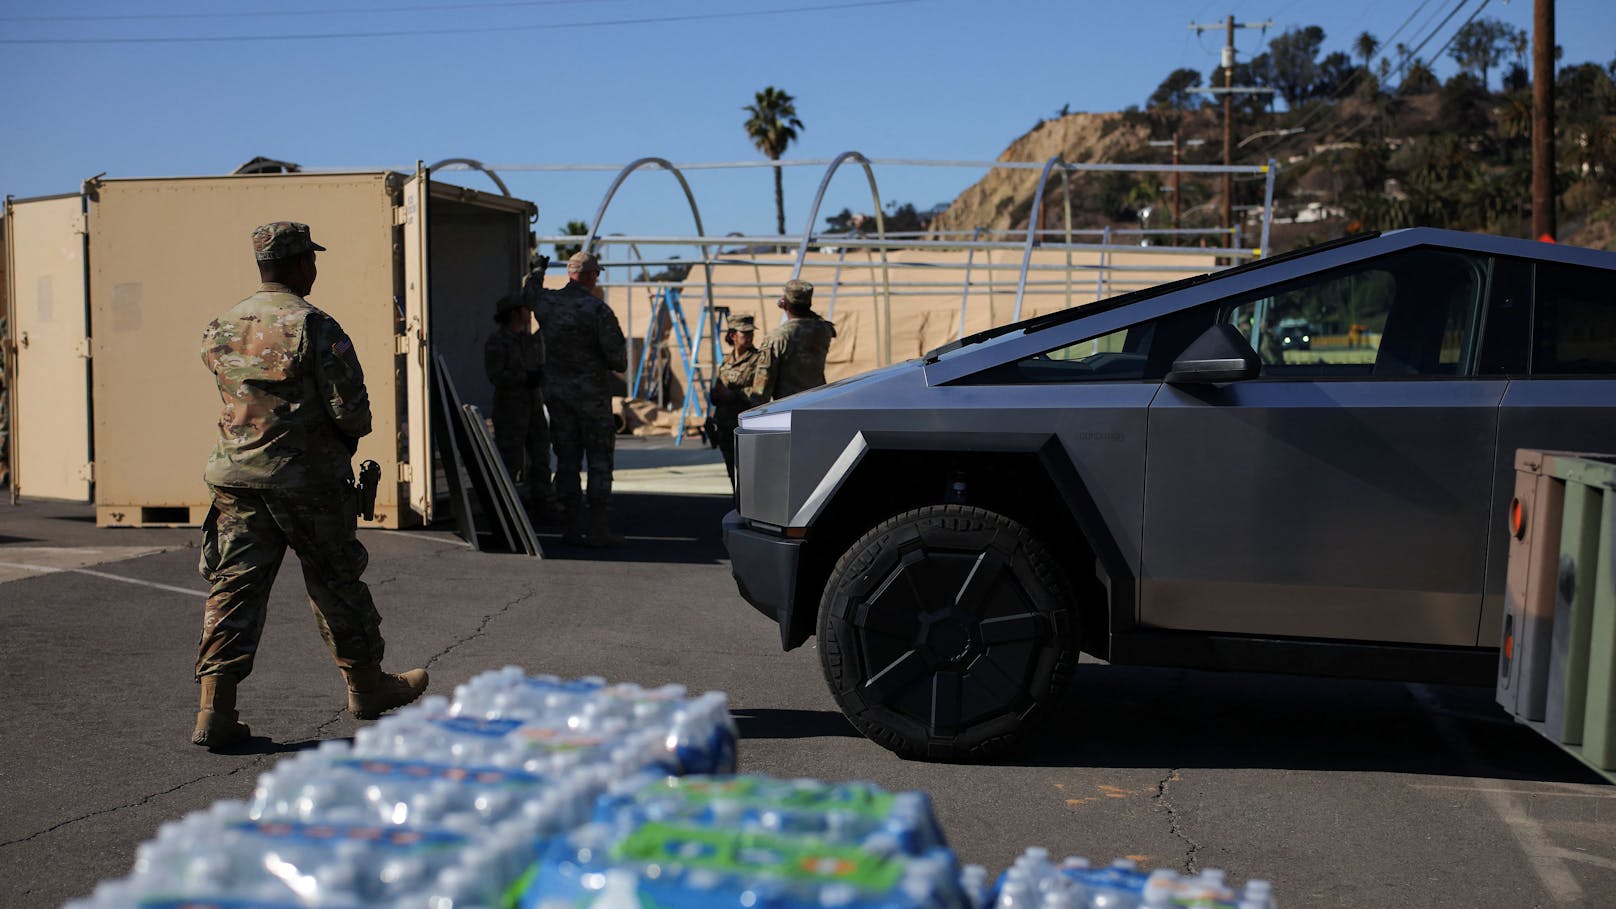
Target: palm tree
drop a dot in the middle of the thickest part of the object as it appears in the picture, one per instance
(772, 125)
(1365, 45)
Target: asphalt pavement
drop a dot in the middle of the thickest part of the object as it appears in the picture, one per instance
(1343, 793)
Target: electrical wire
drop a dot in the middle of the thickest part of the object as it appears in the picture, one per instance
(324, 11)
(472, 30)
(1351, 82)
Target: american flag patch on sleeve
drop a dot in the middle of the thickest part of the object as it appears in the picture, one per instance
(341, 347)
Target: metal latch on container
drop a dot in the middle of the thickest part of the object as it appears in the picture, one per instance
(406, 473)
(82, 348)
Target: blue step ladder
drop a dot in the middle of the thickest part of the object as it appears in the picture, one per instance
(696, 383)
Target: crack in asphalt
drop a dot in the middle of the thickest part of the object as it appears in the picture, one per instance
(482, 627)
(143, 800)
(1164, 804)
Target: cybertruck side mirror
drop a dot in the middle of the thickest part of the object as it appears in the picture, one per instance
(1219, 355)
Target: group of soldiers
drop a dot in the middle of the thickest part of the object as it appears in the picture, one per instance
(791, 359)
(294, 407)
(552, 390)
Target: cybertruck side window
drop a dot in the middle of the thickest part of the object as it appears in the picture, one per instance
(1575, 332)
(1139, 352)
(1415, 313)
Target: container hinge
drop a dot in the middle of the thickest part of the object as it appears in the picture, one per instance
(406, 473)
(401, 344)
(82, 349)
(86, 472)
(81, 224)
(401, 216)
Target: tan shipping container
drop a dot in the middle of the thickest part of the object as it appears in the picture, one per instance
(410, 265)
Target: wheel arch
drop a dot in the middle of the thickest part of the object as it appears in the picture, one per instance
(1026, 476)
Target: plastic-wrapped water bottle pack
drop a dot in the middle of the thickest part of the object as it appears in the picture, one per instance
(1035, 882)
(835, 813)
(443, 805)
(534, 792)
(546, 725)
(626, 864)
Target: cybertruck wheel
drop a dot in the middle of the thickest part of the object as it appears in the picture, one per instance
(944, 631)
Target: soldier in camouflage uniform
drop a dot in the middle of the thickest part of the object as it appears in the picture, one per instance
(585, 346)
(295, 407)
(513, 359)
(732, 386)
(792, 358)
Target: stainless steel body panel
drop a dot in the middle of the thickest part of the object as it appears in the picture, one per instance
(1362, 514)
(1354, 510)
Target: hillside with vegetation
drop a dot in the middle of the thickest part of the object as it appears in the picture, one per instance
(1364, 141)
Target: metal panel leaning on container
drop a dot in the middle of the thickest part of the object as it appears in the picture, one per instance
(295, 407)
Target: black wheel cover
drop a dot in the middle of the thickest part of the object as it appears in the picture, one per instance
(943, 630)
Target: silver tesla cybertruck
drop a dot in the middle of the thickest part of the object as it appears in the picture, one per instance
(1159, 479)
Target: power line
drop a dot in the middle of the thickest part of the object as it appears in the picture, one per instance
(324, 11)
(1351, 82)
(1348, 84)
(559, 26)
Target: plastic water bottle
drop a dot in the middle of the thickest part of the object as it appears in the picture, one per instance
(974, 884)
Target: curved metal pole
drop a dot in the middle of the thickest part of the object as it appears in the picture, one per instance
(836, 282)
(1066, 194)
(695, 212)
(701, 232)
(1033, 221)
(474, 165)
(884, 314)
(965, 295)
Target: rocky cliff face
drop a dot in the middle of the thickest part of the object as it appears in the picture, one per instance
(1002, 200)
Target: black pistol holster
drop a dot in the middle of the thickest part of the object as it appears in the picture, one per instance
(370, 477)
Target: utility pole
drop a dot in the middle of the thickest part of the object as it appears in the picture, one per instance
(1177, 145)
(1543, 215)
(1228, 91)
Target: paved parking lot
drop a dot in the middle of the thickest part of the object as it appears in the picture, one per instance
(1343, 793)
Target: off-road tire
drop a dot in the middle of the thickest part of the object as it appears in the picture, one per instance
(967, 618)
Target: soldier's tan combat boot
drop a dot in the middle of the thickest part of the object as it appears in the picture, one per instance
(217, 723)
(600, 535)
(372, 692)
(573, 519)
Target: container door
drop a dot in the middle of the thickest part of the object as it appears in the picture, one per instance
(50, 405)
(417, 346)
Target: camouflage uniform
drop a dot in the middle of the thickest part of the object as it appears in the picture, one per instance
(295, 407)
(585, 345)
(792, 358)
(732, 393)
(514, 364)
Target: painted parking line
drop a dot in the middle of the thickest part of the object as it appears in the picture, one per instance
(50, 569)
(1546, 859)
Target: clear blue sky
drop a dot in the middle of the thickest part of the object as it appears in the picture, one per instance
(579, 81)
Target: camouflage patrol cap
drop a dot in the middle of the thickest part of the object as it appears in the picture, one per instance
(743, 323)
(798, 294)
(282, 240)
(583, 261)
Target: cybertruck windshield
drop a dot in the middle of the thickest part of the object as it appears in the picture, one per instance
(1002, 333)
